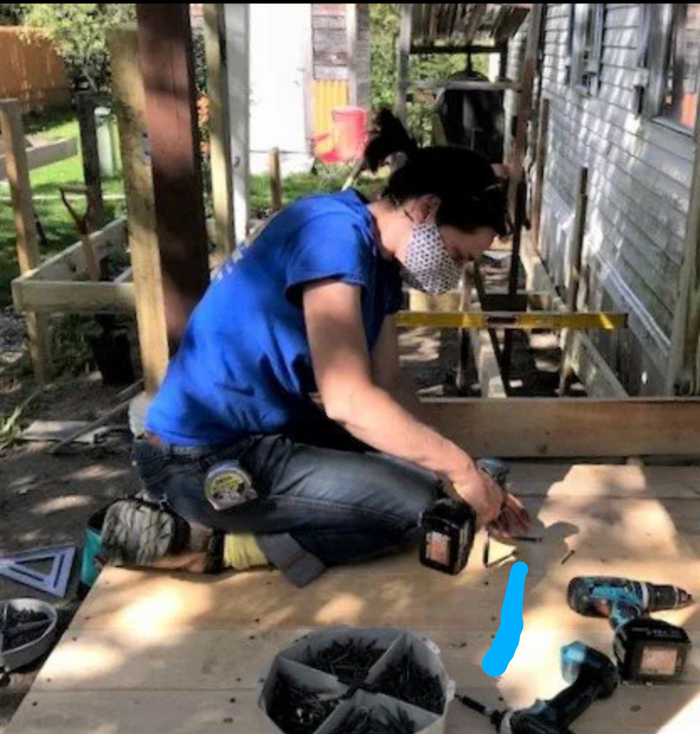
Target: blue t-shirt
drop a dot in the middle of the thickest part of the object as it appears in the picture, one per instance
(244, 364)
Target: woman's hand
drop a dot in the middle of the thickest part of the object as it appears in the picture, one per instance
(514, 519)
(481, 493)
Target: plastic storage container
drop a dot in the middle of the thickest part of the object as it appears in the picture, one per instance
(346, 698)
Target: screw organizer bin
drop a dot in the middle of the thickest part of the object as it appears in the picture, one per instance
(360, 699)
(14, 656)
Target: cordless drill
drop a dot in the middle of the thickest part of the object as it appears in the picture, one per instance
(591, 675)
(647, 650)
(449, 526)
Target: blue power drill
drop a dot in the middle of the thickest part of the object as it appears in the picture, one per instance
(647, 650)
(591, 675)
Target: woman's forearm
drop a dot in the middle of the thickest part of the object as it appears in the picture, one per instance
(375, 417)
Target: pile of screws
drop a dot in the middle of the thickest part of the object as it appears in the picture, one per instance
(19, 628)
(297, 710)
(376, 721)
(411, 683)
(350, 662)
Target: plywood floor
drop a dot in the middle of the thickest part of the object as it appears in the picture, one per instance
(157, 654)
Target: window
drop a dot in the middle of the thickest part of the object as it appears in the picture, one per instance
(674, 62)
(586, 26)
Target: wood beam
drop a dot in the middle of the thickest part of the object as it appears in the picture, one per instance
(404, 54)
(91, 161)
(504, 86)
(542, 137)
(569, 427)
(17, 169)
(167, 64)
(238, 58)
(683, 376)
(588, 363)
(509, 320)
(48, 296)
(219, 127)
(572, 287)
(130, 105)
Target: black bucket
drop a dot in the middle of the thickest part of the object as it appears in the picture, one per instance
(111, 351)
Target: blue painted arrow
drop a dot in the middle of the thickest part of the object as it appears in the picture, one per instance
(503, 648)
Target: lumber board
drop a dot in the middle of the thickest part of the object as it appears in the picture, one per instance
(574, 275)
(504, 86)
(662, 711)
(683, 373)
(495, 301)
(594, 372)
(28, 257)
(138, 185)
(403, 58)
(70, 263)
(91, 159)
(157, 652)
(561, 427)
(484, 344)
(166, 61)
(44, 296)
(640, 538)
(508, 320)
(219, 125)
(237, 55)
(209, 660)
(597, 376)
(44, 153)
(540, 167)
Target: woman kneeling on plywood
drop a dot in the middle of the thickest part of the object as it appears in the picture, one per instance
(240, 465)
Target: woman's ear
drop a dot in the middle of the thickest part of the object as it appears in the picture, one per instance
(427, 208)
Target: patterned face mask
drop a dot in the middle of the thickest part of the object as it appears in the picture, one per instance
(428, 266)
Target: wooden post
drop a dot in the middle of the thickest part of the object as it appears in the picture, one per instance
(167, 65)
(91, 161)
(572, 287)
(525, 102)
(17, 171)
(238, 60)
(404, 55)
(683, 377)
(275, 180)
(219, 126)
(487, 350)
(542, 135)
(516, 192)
(514, 274)
(138, 185)
(351, 33)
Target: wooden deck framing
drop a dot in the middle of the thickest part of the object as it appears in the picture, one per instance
(152, 653)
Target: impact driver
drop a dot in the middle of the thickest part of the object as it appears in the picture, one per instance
(448, 527)
(592, 676)
(647, 650)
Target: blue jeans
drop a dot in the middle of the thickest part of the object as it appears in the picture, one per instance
(324, 499)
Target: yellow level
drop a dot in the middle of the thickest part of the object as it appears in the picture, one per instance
(526, 320)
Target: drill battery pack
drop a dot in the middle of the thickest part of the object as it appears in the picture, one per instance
(447, 536)
(651, 651)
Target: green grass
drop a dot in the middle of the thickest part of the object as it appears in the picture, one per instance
(295, 186)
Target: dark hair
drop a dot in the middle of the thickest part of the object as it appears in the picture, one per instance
(470, 193)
